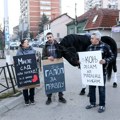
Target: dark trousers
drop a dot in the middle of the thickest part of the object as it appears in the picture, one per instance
(60, 94)
(29, 94)
(92, 93)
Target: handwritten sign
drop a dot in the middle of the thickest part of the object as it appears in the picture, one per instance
(26, 70)
(91, 69)
(54, 76)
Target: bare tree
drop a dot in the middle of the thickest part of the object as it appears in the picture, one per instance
(43, 21)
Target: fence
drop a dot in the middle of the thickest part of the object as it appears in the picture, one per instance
(7, 78)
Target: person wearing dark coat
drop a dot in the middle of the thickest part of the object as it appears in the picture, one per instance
(51, 51)
(25, 49)
(107, 57)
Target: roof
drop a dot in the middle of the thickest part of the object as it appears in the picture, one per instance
(86, 15)
(101, 18)
(59, 17)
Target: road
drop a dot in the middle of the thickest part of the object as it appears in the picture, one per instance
(74, 109)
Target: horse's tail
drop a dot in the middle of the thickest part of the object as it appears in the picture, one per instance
(111, 66)
(109, 71)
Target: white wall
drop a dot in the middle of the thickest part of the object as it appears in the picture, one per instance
(103, 32)
(59, 26)
(115, 36)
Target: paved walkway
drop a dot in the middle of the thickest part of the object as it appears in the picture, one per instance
(73, 110)
(113, 98)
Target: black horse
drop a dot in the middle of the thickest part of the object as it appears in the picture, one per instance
(71, 44)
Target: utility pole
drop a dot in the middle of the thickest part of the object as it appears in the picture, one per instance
(6, 30)
(75, 18)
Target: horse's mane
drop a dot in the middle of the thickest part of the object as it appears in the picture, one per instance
(79, 42)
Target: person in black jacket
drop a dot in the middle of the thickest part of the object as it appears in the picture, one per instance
(50, 52)
(107, 57)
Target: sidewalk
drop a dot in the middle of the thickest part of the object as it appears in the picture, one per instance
(10, 103)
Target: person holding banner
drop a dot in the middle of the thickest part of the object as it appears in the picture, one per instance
(50, 52)
(25, 49)
(107, 57)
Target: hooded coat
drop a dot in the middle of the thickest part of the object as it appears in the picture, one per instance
(25, 51)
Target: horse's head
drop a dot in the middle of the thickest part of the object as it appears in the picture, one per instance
(70, 55)
(71, 44)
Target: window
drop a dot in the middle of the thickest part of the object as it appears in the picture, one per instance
(95, 18)
(78, 29)
(45, 8)
(71, 31)
(58, 35)
(45, 2)
(45, 12)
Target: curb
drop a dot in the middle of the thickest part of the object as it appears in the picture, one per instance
(9, 103)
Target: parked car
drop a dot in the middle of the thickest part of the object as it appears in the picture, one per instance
(30, 43)
(14, 45)
(42, 44)
(36, 43)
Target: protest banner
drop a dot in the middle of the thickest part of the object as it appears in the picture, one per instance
(54, 76)
(91, 69)
(26, 71)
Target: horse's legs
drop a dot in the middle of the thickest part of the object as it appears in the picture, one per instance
(115, 80)
(115, 75)
(82, 92)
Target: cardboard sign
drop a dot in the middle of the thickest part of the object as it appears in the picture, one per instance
(54, 76)
(26, 71)
(91, 69)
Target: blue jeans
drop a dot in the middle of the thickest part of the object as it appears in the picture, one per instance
(92, 93)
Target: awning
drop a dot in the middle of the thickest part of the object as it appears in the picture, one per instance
(116, 29)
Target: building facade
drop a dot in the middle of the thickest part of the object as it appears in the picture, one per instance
(58, 26)
(112, 4)
(32, 11)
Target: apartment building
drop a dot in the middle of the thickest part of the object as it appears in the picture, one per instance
(32, 11)
(112, 4)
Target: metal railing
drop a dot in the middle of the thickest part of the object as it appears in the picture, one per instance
(7, 78)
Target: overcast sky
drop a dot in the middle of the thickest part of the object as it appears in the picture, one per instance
(14, 10)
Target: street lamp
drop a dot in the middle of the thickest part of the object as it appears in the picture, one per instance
(6, 28)
(75, 18)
